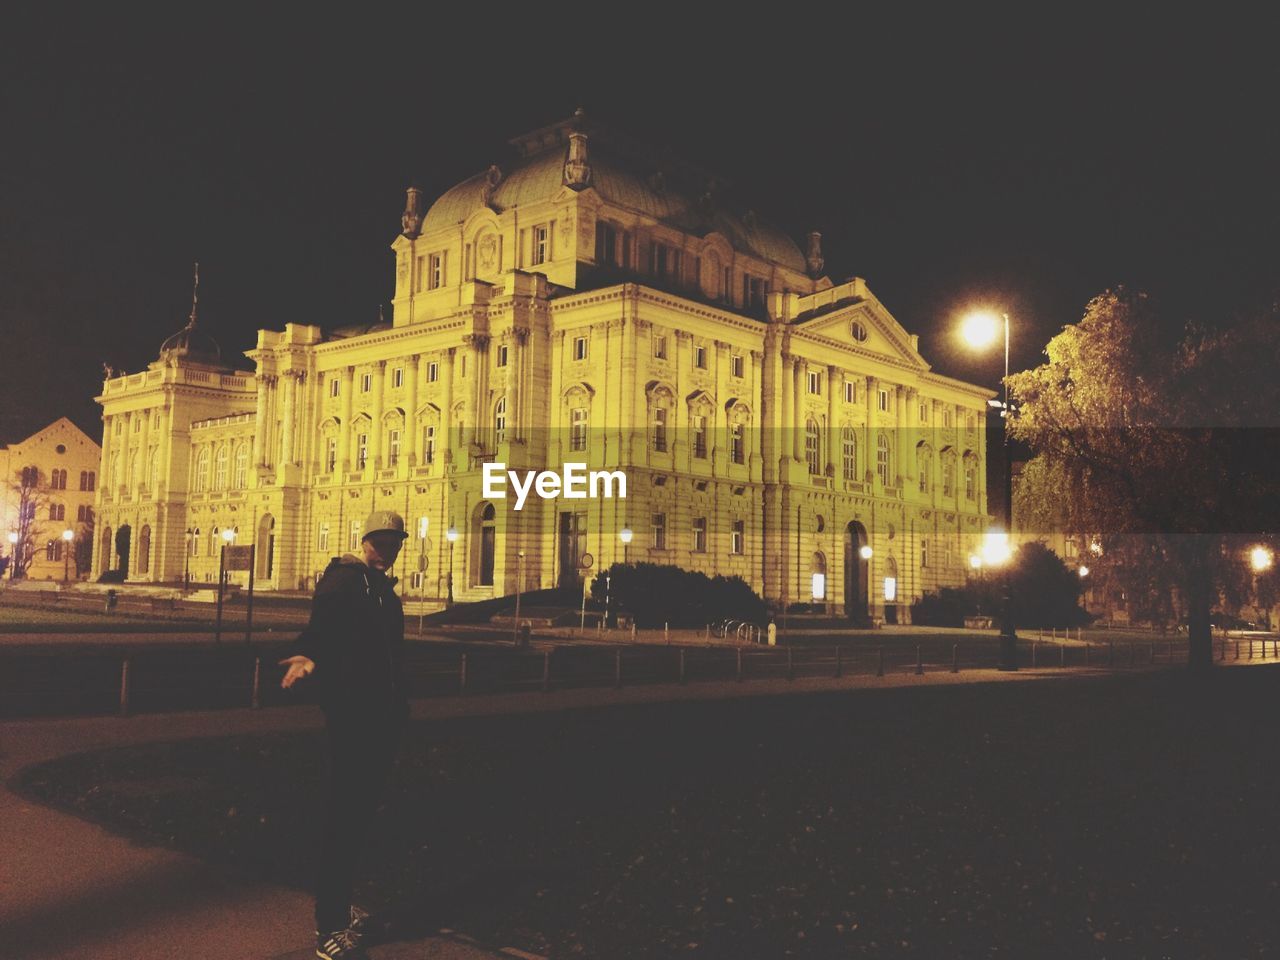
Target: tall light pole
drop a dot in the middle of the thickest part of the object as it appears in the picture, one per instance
(67, 536)
(186, 561)
(865, 553)
(451, 535)
(519, 584)
(980, 330)
(625, 535)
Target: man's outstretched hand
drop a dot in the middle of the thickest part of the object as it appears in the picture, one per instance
(299, 667)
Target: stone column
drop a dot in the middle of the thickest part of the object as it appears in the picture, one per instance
(260, 418)
(292, 378)
(375, 441)
(411, 413)
(869, 434)
(899, 441)
(833, 428)
(786, 425)
(144, 452)
(797, 409)
(344, 428)
(446, 416)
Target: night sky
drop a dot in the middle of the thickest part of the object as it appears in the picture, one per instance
(1025, 165)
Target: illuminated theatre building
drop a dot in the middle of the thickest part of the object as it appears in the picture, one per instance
(580, 303)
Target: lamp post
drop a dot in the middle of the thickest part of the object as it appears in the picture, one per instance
(519, 584)
(979, 330)
(625, 536)
(186, 561)
(607, 579)
(13, 554)
(451, 535)
(865, 553)
(67, 536)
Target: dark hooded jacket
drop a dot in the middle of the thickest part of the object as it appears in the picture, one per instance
(356, 639)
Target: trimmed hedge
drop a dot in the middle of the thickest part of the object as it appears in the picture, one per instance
(655, 594)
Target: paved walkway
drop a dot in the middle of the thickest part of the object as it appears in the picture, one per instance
(70, 889)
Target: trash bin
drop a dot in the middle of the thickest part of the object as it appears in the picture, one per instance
(112, 597)
(524, 636)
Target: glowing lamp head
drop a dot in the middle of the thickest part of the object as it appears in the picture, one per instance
(1260, 559)
(865, 553)
(228, 534)
(625, 534)
(975, 561)
(980, 328)
(67, 535)
(13, 536)
(451, 534)
(1084, 571)
(995, 548)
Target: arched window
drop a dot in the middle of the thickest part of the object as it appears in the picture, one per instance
(500, 420)
(948, 472)
(737, 443)
(849, 450)
(144, 549)
(202, 470)
(818, 577)
(882, 459)
(194, 546)
(220, 462)
(578, 428)
(924, 465)
(812, 447)
(660, 429)
(215, 538)
(134, 463)
(242, 467)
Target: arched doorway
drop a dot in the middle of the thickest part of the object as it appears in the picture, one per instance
(104, 553)
(124, 538)
(144, 550)
(856, 570)
(266, 547)
(486, 540)
(818, 580)
(890, 590)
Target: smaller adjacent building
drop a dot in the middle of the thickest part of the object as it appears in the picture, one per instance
(48, 483)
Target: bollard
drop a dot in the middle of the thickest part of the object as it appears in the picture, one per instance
(1062, 654)
(706, 633)
(739, 676)
(462, 675)
(617, 668)
(124, 688)
(1250, 657)
(790, 674)
(880, 666)
(666, 632)
(682, 664)
(523, 636)
(633, 631)
(1237, 648)
(955, 658)
(257, 676)
(546, 670)
(919, 662)
(839, 665)
(1034, 644)
(1222, 650)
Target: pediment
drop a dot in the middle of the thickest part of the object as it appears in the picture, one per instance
(845, 321)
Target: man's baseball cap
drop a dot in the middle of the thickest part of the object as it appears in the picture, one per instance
(383, 521)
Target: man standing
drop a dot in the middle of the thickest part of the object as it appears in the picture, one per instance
(354, 646)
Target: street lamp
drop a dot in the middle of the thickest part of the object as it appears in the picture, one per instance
(451, 535)
(519, 584)
(1260, 558)
(186, 561)
(979, 330)
(67, 536)
(1083, 571)
(625, 536)
(865, 553)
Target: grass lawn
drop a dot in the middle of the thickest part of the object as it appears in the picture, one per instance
(1110, 818)
(44, 615)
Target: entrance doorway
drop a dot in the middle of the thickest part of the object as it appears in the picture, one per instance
(856, 570)
(124, 539)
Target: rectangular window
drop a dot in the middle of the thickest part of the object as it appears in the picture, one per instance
(736, 443)
(579, 348)
(947, 415)
(699, 534)
(330, 454)
(815, 383)
(366, 382)
(322, 536)
(93, 476)
(924, 413)
(660, 429)
(882, 398)
(660, 348)
(433, 372)
(435, 271)
(420, 270)
(397, 377)
(578, 428)
(924, 551)
(659, 531)
(700, 437)
(334, 386)
(353, 539)
(428, 444)
(393, 448)
(502, 355)
(738, 538)
(541, 251)
(362, 450)
(737, 365)
(850, 392)
(606, 244)
(700, 357)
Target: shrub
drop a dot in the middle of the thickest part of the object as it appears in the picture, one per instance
(111, 576)
(656, 594)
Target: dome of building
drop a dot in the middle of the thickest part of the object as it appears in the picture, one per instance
(192, 344)
(677, 198)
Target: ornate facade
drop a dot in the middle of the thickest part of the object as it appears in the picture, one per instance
(587, 301)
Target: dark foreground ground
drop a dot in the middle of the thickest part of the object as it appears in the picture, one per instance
(1129, 816)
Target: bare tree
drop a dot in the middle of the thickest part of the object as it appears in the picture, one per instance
(28, 492)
